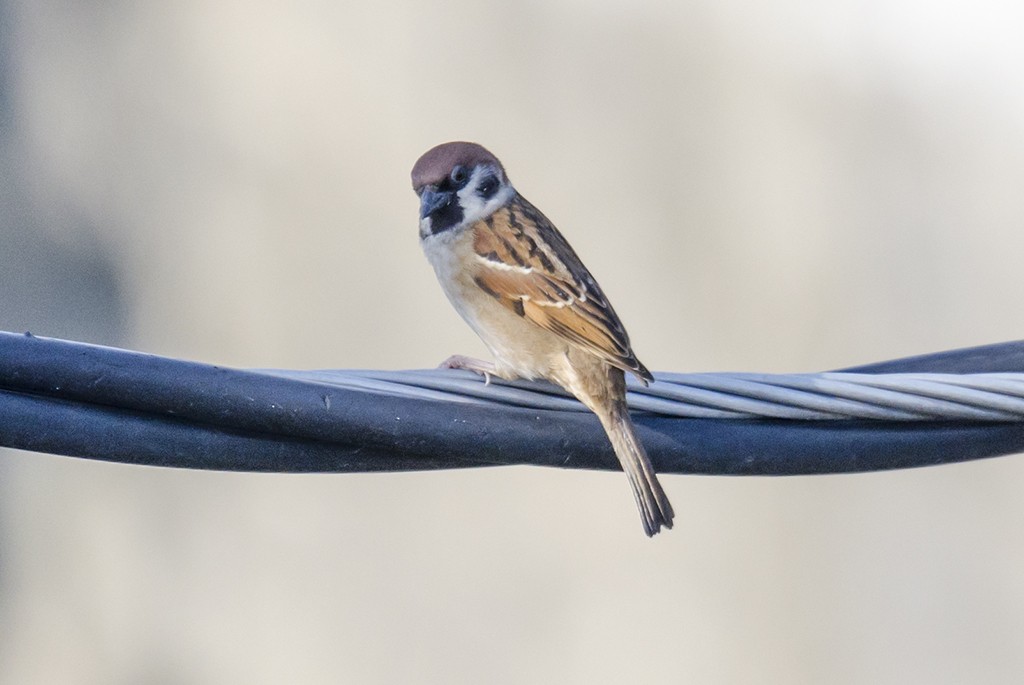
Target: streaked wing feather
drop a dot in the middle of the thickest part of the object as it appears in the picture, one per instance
(526, 264)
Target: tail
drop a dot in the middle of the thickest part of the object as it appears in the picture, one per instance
(655, 509)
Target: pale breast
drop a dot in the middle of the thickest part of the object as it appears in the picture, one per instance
(520, 347)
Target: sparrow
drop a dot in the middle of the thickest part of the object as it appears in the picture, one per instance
(519, 285)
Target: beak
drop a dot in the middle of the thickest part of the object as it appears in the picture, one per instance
(431, 201)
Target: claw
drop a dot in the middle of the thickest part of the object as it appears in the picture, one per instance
(457, 361)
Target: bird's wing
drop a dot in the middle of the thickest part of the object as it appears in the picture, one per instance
(526, 264)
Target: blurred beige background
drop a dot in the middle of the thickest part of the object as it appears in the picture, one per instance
(786, 187)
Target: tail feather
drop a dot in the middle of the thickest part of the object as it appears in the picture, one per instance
(655, 509)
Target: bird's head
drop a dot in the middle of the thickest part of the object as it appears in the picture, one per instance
(458, 184)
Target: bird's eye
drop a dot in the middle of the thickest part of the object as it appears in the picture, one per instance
(459, 175)
(488, 187)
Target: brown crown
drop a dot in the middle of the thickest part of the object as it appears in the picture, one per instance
(437, 162)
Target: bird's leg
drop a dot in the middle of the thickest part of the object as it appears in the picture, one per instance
(458, 361)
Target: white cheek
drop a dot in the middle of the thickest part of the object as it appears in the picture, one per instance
(474, 207)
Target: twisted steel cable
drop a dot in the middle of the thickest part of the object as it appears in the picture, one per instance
(835, 395)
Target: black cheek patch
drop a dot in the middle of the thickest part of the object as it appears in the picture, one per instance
(445, 218)
(488, 188)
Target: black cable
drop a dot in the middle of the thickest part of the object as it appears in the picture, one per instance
(103, 403)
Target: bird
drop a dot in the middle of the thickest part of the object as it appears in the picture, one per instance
(519, 285)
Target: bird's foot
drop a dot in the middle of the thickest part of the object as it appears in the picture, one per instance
(458, 361)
